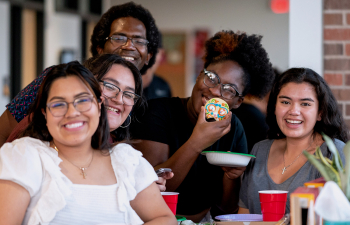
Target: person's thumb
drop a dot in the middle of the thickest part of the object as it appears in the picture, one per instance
(201, 116)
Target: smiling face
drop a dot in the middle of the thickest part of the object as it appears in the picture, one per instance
(132, 28)
(229, 72)
(117, 112)
(74, 128)
(297, 110)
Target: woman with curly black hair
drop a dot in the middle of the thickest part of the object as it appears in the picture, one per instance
(174, 131)
(301, 107)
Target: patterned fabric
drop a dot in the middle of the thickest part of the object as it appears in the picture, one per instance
(19, 106)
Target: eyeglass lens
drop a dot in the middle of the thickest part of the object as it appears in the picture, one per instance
(111, 91)
(121, 40)
(211, 80)
(60, 108)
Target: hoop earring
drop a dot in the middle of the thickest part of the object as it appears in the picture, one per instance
(128, 123)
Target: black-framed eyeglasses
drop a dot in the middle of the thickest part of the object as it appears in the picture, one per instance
(60, 108)
(118, 40)
(227, 91)
(111, 91)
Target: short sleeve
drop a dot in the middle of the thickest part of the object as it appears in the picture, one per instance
(144, 175)
(19, 106)
(20, 163)
(131, 169)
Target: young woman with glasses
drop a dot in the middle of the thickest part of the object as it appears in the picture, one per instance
(174, 132)
(65, 170)
(121, 93)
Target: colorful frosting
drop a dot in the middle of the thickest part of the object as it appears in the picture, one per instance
(216, 108)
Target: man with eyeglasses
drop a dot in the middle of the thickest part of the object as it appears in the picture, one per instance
(128, 30)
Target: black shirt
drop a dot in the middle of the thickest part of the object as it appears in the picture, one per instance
(254, 123)
(166, 122)
(158, 88)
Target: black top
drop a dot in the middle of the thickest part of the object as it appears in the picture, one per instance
(158, 88)
(166, 122)
(254, 123)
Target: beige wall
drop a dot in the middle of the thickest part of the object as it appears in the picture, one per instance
(89, 30)
(28, 47)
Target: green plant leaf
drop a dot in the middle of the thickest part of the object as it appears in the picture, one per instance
(327, 162)
(332, 162)
(346, 177)
(333, 149)
(326, 170)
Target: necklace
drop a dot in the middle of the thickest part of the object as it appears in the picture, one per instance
(284, 164)
(81, 168)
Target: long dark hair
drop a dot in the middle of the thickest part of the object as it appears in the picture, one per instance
(332, 122)
(37, 127)
(100, 65)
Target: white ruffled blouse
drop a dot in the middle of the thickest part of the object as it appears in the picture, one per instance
(34, 165)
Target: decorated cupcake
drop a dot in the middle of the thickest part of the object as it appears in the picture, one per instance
(216, 109)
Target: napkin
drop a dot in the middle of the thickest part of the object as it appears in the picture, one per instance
(332, 204)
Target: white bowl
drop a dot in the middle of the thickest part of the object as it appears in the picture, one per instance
(229, 159)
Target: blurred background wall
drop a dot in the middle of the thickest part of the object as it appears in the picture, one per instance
(251, 16)
(4, 54)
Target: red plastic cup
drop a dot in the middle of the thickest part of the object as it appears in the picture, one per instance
(273, 204)
(170, 199)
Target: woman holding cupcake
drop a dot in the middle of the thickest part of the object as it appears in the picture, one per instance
(174, 131)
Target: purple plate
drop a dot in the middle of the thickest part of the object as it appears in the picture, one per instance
(240, 217)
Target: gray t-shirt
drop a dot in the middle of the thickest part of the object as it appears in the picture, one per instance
(256, 177)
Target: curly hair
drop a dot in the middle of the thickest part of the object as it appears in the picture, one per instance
(248, 52)
(37, 123)
(130, 9)
(332, 122)
(99, 65)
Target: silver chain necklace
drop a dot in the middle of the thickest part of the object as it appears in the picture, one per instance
(284, 164)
